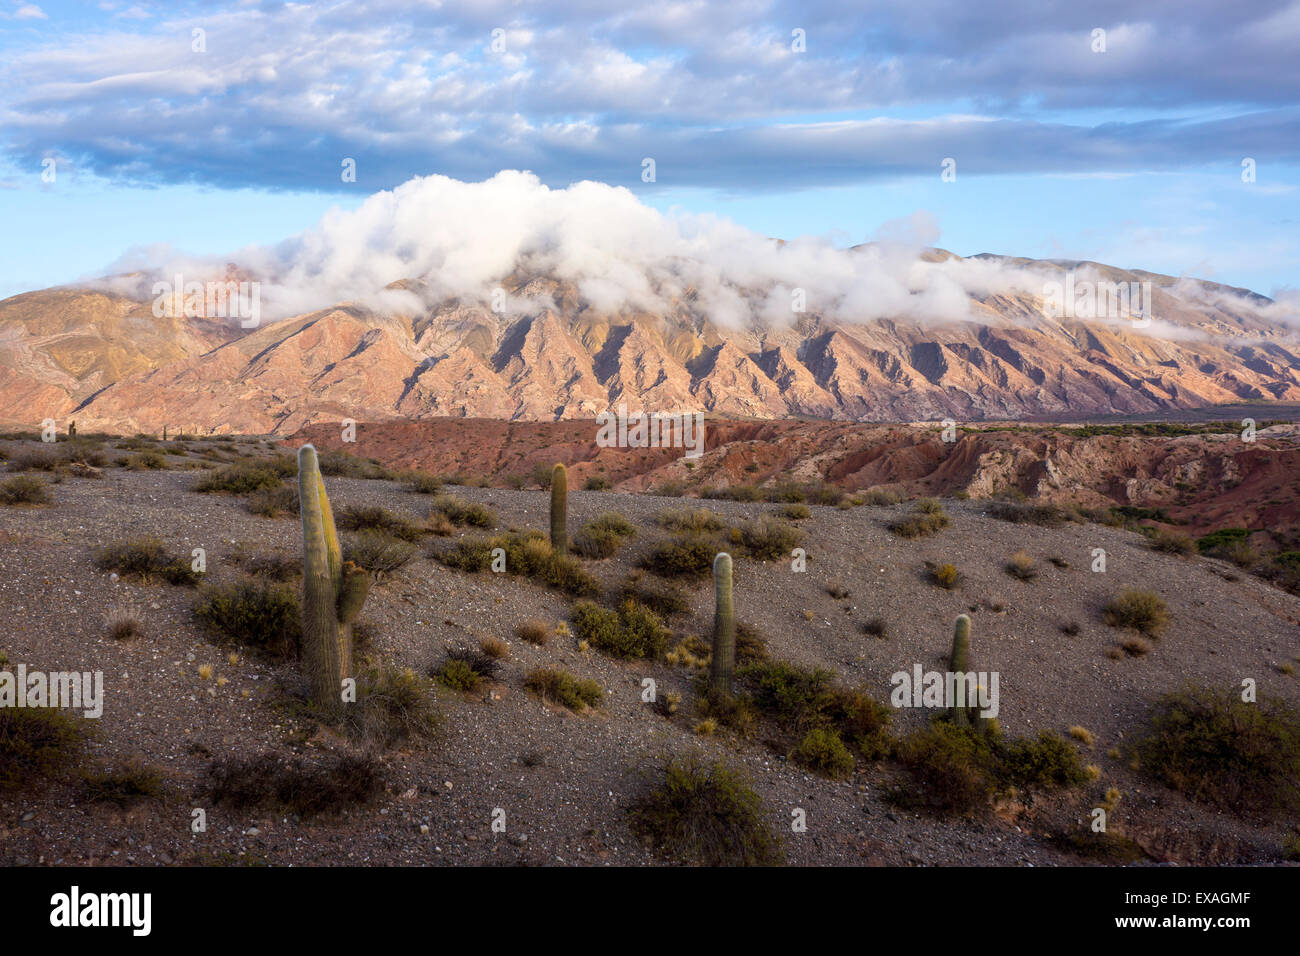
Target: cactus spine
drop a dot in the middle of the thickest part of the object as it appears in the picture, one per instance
(723, 665)
(957, 664)
(559, 509)
(332, 590)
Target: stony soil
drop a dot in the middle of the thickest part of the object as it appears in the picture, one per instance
(565, 780)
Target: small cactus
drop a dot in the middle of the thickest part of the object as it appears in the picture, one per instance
(957, 663)
(723, 665)
(72, 428)
(333, 590)
(559, 509)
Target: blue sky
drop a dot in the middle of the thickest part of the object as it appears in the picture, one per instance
(1130, 156)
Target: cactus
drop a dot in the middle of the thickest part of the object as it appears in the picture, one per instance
(723, 665)
(332, 590)
(957, 664)
(559, 509)
(72, 429)
(164, 433)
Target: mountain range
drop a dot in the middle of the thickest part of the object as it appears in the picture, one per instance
(104, 358)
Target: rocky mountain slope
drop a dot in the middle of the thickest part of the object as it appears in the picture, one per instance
(107, 361)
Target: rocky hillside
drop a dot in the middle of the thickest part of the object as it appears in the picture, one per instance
(110, 363)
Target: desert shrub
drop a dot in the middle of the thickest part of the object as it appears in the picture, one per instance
(533, 632)
(785, 691)
(494, 647)
(1047, 762)
(378, 552)
(468, 554)
(272, 567)
(734, 493)
(24, 490)
(945, 576)
(1215, 748)
(785, 491)
(683, 555)
(880, 497)
(35, 743)
(1021, 566)
(263, 616)
(794, 512)
(123, 623)
(837, 589)
(465, 669)
(1216, 542)
(147, 559)
(669, 489)
(541, 475)
(597, 483)
(691, 519)
(876, 627)
(243, 478)
(950, 770)
(1136, 647)
(145, 461)
(1172, 542)
(293, 785)
(343, 465)
(423, 483)
(393, 706)
(820, 493)
(603, 536)
(1239, 553)
(1142, 611)
(823, 752)
(705, 814)
(751, 645)
(927, 518)
(767, 538)
(462, 513)
(633, 631)
(277, 502)
(375, 518)
(129, 783)
(665, 599)
(563, 688)
(858, 719)
(956, 769)
(1049, 516)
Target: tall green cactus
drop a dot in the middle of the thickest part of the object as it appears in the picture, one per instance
(332, 590)
(957, 664)
(723, 665)
(560, 509)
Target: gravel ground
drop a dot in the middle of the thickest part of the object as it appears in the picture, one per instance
(564, 780)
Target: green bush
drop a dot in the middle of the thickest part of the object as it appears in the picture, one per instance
(280, 501)
(1215, 748)
(768, 538)
(465, 670)
(35, 743)
(922, 522)
(795, 512)
(634, 631)
(603, 536)
(374, 518)
(785, 691)
(1049, 762)
(377, 552)
(1172, 542)
(1218, 541)
(683, 555)
(147, 559)
(1141, 611)
(463, 513)
(563, 688)
(423, 483)
(704, 814)
(691, 519)
(393, 706)
(24, 490)
(243, 478)
(263, 616)
(822, 751)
